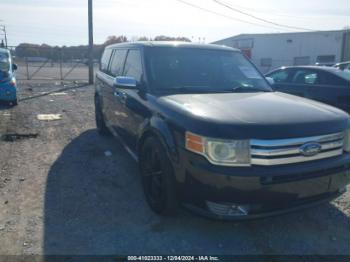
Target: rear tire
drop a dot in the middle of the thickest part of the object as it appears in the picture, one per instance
(13, 103)
(157, 176)
(100, 121)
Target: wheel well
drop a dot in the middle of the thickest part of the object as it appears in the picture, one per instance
(154, 133)
(143, 138)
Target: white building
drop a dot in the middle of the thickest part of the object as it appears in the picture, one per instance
(269, 51)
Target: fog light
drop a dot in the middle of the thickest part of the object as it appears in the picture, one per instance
(228, 209)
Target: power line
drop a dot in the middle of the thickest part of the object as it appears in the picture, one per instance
(261, 19)
(223, 15)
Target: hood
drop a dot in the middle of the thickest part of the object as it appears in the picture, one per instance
(261, 115)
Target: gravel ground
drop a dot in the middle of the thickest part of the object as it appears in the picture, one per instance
(60, 194)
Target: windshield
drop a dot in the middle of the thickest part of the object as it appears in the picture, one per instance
(201, 70)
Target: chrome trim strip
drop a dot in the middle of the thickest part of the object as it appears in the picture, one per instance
(296, 141)
(296, 159)
(291, 151)
(116, 135)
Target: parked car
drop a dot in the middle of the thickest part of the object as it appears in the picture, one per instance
(343, 65)
(8, 86)
(325, 84)
(208, 132)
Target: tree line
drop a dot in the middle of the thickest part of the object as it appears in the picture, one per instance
(68, 53)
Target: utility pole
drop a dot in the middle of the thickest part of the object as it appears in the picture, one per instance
(3, 29)
(91, 44)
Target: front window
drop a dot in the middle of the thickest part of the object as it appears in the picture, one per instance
(201, 70)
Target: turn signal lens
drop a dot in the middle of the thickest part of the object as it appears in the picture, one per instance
(194, 143)
(13, 82)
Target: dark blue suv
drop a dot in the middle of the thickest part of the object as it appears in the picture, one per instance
(209, 132)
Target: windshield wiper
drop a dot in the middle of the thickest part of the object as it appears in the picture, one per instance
(183, 89)
(248, 89)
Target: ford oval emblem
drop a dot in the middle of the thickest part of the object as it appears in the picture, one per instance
(310, 149)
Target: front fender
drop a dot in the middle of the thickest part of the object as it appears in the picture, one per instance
(158, 127)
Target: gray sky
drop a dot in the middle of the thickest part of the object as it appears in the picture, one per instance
(64, 22)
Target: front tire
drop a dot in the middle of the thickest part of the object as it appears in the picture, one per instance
(157, 176)
(100, 121)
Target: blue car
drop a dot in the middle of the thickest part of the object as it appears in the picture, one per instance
(8, 85)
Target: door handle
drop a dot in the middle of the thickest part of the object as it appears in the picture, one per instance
(120, 95)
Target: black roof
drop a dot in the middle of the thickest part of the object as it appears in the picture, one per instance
(173, 44)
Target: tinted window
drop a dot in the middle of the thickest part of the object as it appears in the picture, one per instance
(280, 76)
(117, 62)
(304, 76)
(343, 74)
(133, 65)
(4, 62)
(330, 79)
(201, 70)
(105, 60)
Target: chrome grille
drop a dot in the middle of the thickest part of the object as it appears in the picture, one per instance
(287, 151)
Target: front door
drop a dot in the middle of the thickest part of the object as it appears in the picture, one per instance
(115, 106)
(132, 110)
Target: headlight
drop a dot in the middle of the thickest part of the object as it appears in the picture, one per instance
(347, 141)
(219, 151)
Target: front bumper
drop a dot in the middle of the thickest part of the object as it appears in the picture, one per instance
(261, 191)
(8, 92)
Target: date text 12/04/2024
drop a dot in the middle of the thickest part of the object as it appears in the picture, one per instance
(173, 258)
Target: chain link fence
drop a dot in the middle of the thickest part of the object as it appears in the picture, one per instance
(52, 63)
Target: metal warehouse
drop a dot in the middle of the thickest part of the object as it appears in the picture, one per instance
(269, 51)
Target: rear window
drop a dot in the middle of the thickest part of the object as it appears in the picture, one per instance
(117, 62)
(4, 62)
(305, 76)
(343, 74)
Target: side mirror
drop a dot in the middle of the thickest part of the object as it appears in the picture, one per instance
(127, 82)
(14, 67)
(270, 80)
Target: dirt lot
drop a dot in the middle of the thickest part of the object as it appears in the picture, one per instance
(60, 194)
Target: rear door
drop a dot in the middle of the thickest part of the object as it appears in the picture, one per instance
(331, 89)
(302, 80)
(132, 101)
(103, 81)
(285, 82)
